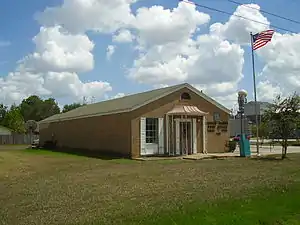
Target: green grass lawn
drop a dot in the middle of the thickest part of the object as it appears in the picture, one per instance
(269, 208)
(43, 187)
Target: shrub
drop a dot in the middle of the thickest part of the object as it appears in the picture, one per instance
(232, 146)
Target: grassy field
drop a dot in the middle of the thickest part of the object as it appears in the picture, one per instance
(43, 187)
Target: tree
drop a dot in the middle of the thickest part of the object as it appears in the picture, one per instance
(298, 131)
(49, 108)
(263, 131)
(34, 108)
(31, 108)
(72, 106)
(14, 120)
(3, 111)
(283, 116)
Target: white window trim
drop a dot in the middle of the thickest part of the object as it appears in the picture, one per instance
(143, 149)
(204, 135)
(161, 136)
(194, 136)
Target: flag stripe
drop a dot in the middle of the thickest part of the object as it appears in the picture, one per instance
(261, 39)
(260, 45)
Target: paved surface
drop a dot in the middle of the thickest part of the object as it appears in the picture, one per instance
(253, 140)
(266, 150)
(210, 156)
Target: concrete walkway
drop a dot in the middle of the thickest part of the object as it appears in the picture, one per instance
(264, 151)
(200, 156)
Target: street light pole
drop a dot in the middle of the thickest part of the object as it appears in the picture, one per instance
(242, 100)
(244, 143)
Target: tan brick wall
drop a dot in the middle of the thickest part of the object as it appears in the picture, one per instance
(105, 133)
(216, 143)
(120, 133)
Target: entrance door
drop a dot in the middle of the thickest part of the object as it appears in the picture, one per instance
(185, 131)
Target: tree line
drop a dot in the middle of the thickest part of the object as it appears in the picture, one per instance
(31, 108)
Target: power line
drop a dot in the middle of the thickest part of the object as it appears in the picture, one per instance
(266, 12)
(230, 14)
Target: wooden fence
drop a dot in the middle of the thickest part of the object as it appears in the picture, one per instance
(18, 139)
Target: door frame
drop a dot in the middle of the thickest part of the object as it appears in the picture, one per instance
(177, 133)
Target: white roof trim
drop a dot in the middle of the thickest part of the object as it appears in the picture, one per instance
(191, 88)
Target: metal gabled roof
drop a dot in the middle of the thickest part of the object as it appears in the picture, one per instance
(126, 104)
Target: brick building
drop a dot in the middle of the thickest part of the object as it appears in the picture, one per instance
(176, 120)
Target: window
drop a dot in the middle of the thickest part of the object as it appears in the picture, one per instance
(152, 130)
(216, 116)
(185, 96)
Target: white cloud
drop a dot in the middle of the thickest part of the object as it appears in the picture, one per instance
(157, 86)
(238, 29)
(59, 51)
(218, 89)
(21, 84)
(225, 93)
(266, 91)
(164, 42)
(169, 54)
(169, 50)
(123, 36)
(151, 68)
(52, 69)
(110, 50)
(69, 85)
(119, 95)
(282, 65)
(212, 60)
(204, 61)
(158, 26)
(78, 16)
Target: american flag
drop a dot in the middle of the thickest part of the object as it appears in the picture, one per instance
(262, 38)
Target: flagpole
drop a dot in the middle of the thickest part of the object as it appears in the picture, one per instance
(255, 96)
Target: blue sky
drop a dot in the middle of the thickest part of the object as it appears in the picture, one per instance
(18, 27)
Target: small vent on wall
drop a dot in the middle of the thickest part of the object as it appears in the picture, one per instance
(185, 96)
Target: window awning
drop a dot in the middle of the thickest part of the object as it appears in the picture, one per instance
(186, 110)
